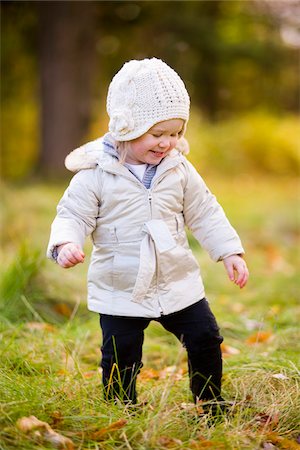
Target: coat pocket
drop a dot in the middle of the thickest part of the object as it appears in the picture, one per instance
(100, 271)
(177, 264)
(126, 266)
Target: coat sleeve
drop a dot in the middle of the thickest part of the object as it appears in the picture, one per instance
(77, 211)
(206, 219)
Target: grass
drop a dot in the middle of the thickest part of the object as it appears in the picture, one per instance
(50, 344)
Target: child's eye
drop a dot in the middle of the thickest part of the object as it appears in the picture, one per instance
(157, 135)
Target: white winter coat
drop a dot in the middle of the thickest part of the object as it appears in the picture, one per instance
(141, 264)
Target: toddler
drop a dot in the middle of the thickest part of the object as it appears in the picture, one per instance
(134, 192)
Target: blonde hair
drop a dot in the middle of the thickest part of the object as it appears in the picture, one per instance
(122, 148)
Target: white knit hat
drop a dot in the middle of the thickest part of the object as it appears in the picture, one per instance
(142, 94)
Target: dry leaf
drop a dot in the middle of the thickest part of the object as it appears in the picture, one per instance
(30, 423)
(57, 417)
(252, 325)
(269, 446)
(63, 309)
(280, 376)
(282, 442)
(168, 442)
(237, 308)
(100, 434)
(197, 408)
(42, 430)
(204, 443)
(267, 420)
(172, 371)
(90, 374)
(152, 374)
(228, 351)
(39, 326)
(58, 440)
(149, 374)
(259, 337)
(276, 261)
(274, 310)
(187, 406)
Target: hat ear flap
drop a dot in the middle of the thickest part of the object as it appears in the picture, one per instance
(183, 146)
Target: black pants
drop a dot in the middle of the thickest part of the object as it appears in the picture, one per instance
(194, 326)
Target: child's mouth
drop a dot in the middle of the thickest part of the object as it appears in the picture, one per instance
(157, 154)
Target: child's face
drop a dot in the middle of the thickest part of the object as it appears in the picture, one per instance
(153, 146)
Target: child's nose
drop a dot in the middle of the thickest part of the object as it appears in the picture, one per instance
(164, 143)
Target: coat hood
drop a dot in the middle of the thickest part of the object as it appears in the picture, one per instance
(88, 155)
(85, 157)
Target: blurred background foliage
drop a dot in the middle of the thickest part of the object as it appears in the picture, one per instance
(239, 60)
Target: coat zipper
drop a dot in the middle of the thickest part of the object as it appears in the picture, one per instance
(150, 202)
(157, 261)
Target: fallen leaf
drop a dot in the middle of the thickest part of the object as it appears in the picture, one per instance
(40, 326)
(276, 261)
(282, 442)
(63, 309)
(42, 430)
(30, 423)
(99, 435)
(62, 372)
(227, 350)
(274, 310)
(237, 307)
(204, 443)
(168, 442)
(280, 376)
(259, 337)
(90, 374)
(272, 252)
(267, 421)
(149, 374)
(172, 371)
(58, 440)
(197, 408)
(269, 446)
(57, 417)
(252, 325)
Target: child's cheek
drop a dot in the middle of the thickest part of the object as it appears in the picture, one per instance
(174, 142)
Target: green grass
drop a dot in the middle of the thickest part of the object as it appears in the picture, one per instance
(51, 370)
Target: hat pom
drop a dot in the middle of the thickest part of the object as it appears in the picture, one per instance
(121, 122)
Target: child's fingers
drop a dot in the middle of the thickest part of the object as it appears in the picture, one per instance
(70, 255)
(230, 271)
(242, 276)
(237, 270)
(74, 255)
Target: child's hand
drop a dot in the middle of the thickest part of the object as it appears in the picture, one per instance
(69, 255)
(237, 270)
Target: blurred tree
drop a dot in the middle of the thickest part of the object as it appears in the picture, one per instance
(230, 54)
(67, 65)
(19, 79)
